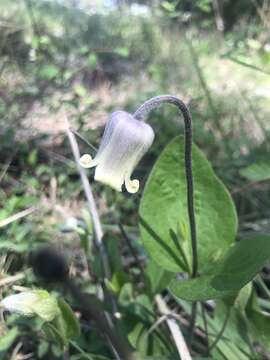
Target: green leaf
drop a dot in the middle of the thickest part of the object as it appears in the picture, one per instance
(147, 343)
(8, 338)
(258, 322)
(168, 6)
(64, 327)
(122, 51)
(92, 61)
(259, 325)
(239, 266)
(46, 308)
(242, 298)
(164, 220)
(205, 5)
(257, 172)
(80, 90)
(119, 279)
(48, 72)
(52, 334)
(30, 303)
(32, 157)
(126, 294)
(232, 345)
(157, 277)
(67, 322)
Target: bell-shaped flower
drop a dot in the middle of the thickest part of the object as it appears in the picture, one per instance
(124, 142)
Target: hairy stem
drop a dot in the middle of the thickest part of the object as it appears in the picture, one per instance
(141, 114)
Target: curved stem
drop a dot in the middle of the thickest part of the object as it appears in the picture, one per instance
(141, 114)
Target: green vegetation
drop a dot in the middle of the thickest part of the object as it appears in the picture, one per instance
(71, 64)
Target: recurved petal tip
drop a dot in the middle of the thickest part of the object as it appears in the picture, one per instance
(132, 186)
(86, 161)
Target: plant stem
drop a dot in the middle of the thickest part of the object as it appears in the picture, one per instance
(141, 114)
(131, 248)
(192, 322)
(219, 335)
(83, 139)
(205, 327)
(98, 233)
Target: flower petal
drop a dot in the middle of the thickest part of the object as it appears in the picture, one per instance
(123, 144)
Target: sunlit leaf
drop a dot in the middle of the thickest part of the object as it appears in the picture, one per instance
(164, 220)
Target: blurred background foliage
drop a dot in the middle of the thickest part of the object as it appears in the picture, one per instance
(80, 60)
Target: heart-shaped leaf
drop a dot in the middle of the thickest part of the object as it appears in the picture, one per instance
(164, 220)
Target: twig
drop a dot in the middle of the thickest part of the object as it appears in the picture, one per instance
(131, 248)
(157, 323)
(175, 330)
(83, 139)
(6, 166)
(17, 216)
(98, 233)
(11, 279)
(250, 66)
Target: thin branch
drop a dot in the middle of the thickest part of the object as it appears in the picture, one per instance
(11, 279)
(17, 216)
(6, 166)
(250, 66)
(83, 139)
(98, 233)
(175, 330)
